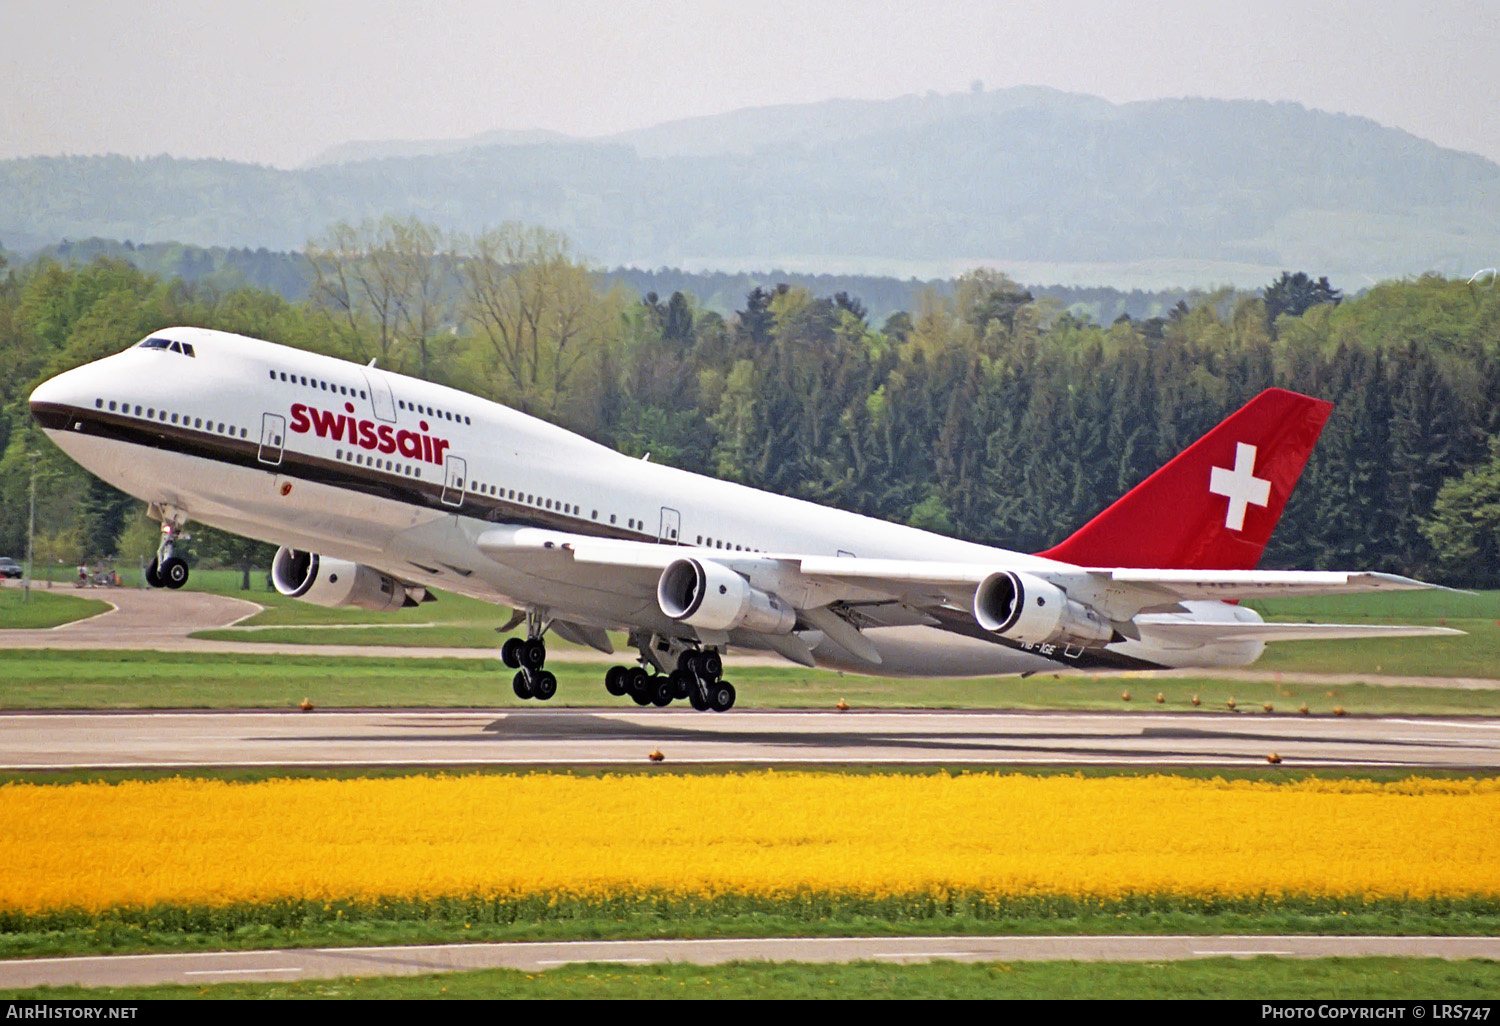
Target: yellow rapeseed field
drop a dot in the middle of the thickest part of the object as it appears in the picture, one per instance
(195, 842)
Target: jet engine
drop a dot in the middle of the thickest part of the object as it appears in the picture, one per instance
(325, 581)
(702, 593)
(1031, 610)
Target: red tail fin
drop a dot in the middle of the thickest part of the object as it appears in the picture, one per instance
(1214, 506)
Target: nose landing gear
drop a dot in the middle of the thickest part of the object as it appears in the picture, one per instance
(168, 570)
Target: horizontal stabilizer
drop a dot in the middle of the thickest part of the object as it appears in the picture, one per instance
(1209, 633)
(1245, 584)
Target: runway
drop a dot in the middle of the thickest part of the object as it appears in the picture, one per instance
(279, 966)
(109, 740)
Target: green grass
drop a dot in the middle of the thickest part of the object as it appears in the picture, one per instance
(44, 608)
(298, 923)
(1477, 655)
(66, 679)
(280, 611)
(1258, 979)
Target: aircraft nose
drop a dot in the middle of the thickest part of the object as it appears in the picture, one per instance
(52, 400)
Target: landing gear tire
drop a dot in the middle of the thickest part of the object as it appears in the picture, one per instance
(544, 686)
(710, 665)
(522, 685)
(721, 696)
(533, 653)
(153, 576)
(510, 653)
(614, 680)
(695, 699)
(663, 690)
(638, 683)
(683, 683)
(174, 573)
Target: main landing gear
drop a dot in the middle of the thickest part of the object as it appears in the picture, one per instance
(168, 570)
(526, 657)
(698, 678)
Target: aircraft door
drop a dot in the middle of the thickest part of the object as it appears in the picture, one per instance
(272, 438)
(453, 481)
(380, 395)
(671, 526)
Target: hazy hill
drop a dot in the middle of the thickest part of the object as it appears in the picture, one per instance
(1031, 180)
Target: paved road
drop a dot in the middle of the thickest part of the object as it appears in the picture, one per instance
(593, 736)
(139, 619)
(324, 963)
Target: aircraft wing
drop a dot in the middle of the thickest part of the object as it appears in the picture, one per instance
(839, 595)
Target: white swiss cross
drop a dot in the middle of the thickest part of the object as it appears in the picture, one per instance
(1240, 485)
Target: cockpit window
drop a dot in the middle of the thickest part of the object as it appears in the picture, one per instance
(157, 342)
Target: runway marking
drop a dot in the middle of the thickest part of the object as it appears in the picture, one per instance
(1447, 723)
(926, 954)
(233, 972)
(610, 961)
(1196, 952)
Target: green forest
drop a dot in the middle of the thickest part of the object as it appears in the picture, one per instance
(983, 412)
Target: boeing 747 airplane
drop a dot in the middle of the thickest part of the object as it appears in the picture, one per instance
(379, 487)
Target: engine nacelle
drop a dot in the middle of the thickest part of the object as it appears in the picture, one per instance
(712, 596)
(1031, 610)
(325, 581)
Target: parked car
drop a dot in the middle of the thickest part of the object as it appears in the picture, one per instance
(10, 568)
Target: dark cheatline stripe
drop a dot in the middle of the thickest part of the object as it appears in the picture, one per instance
(244, 452)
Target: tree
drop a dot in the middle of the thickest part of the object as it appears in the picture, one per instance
(381, 288)
(1295, 294)
(231, 550)
(986, 297)
(1464, 527)
(536, 307)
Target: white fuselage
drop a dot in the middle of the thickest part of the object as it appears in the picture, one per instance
(402, 475)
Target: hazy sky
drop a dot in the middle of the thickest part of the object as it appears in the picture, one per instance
(275, 82)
